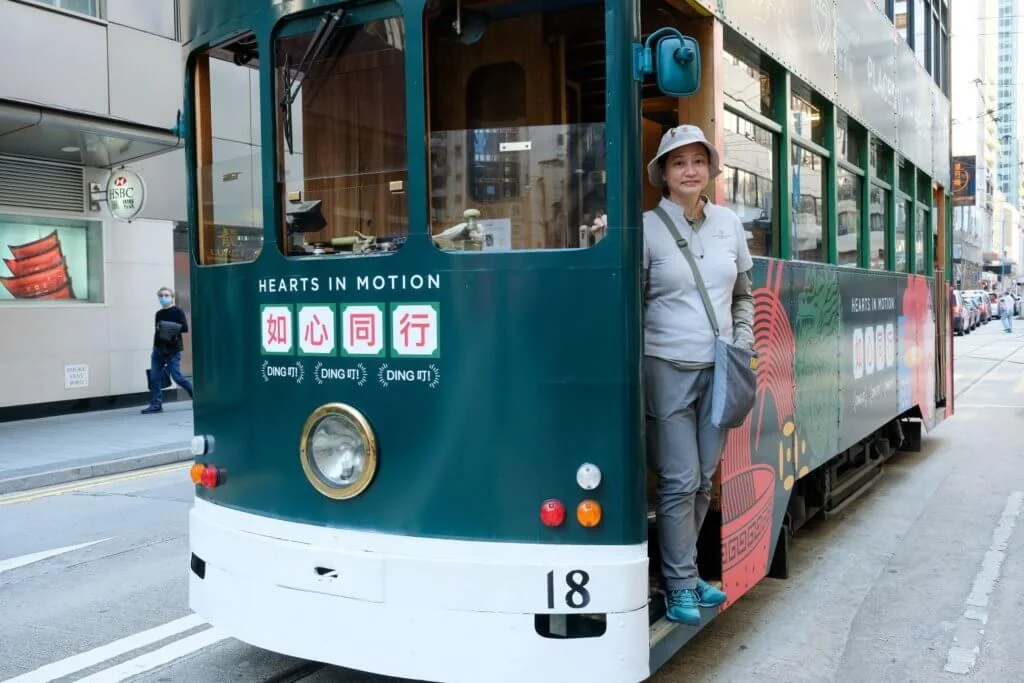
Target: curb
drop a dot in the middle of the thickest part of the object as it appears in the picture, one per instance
(99, 469)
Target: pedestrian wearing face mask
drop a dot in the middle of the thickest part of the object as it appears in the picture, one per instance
(170, 324)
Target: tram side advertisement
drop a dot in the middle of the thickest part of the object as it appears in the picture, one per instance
(354, 342)
(887, 351)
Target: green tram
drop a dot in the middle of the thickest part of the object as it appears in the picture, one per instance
(419, 418)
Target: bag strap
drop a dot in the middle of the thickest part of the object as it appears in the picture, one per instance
(684, 247)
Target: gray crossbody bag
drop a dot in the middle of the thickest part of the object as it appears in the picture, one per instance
(734, 387)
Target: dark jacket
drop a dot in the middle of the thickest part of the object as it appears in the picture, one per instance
(174, 343)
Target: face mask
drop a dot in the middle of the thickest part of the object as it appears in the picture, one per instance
(164, 300)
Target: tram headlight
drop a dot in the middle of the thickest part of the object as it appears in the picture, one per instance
(338, 451)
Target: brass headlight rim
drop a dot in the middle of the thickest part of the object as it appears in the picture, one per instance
(366, 432)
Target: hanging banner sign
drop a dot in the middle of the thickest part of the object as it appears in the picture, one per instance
(126, 194)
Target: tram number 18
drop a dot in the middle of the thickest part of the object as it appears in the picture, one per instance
(577, 596)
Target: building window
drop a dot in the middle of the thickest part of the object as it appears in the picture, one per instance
(92, 8)
(50, 260)
(901, 18)
(228, 189)
(748, 172)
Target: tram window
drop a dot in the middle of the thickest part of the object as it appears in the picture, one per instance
(228, 153)
(807, 228)
(878, 205)
(919, 230)
(848, 212)
(902, 219)
(517, 132)
(342, 169)
(749, 165)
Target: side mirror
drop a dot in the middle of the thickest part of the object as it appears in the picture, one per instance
(675, 61)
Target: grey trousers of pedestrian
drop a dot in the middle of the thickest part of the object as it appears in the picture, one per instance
(683, 448)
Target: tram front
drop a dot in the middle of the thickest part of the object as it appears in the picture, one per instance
(419, 431)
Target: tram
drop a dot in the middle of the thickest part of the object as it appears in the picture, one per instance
(419, 425)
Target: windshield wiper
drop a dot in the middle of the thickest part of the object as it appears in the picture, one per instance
(321, 38)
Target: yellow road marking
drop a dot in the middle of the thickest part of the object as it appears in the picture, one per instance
(1020, 385)
(59, 489)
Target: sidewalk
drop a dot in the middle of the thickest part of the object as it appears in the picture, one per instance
(56, 450)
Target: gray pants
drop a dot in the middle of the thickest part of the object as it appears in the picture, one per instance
(683, 448)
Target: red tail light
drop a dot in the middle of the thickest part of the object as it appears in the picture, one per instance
(552, 512)
(208, 476)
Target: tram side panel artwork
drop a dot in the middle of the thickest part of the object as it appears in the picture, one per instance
(842, 353)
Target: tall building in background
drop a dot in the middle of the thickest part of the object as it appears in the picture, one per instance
(977, 199)
(90, 88)
(1005, 247)
(1009, 89)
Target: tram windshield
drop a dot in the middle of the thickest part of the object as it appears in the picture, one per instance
(516, 123)
(340, 81)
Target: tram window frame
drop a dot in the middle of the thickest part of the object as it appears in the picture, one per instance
(214, 243)
(310, 210)
(545, 136)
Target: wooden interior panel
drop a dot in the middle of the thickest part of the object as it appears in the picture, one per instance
(354, 141)
(204, 159)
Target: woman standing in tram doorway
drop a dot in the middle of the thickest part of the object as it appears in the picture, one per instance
(683, 446)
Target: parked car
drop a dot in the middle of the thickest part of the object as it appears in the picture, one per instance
(961, 315)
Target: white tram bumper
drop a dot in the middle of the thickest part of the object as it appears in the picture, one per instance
(419, 608)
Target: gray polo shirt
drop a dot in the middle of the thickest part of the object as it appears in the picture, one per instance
(676, 325)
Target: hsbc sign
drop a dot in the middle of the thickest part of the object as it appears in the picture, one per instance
(126, 194)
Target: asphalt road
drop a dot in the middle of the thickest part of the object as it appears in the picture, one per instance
(924, 573)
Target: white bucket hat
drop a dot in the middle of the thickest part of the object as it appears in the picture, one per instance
(675, 138)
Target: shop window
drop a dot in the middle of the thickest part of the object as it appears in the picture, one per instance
(807, 227)
(517, 117)
(749, 166)
(342, 129)
(229, 225)
(50, 260)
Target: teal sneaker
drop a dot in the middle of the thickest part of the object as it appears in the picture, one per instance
(681, 606)
(708, 595)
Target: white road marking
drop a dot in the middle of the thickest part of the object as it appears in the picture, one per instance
(85, 660)
(963, 653)
(15, 562)
(159, 657)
